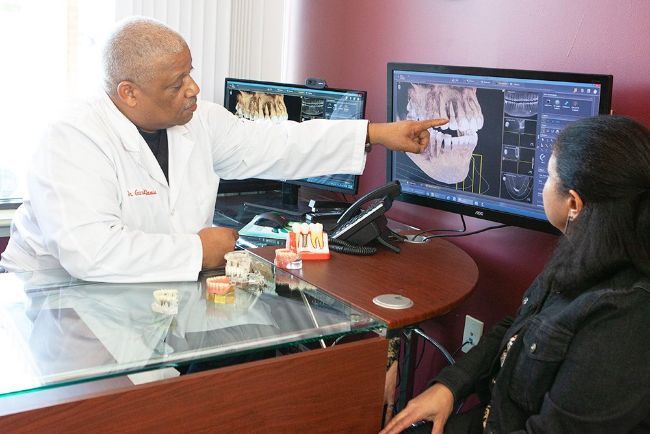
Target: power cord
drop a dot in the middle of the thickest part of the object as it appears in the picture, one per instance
(436, 344)
(421, 356)
(462, 219)
(489, 228)
(467, 342)
(336, 341)
(394, 236)
(459, 232)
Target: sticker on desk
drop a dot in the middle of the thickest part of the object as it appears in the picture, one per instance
(393, 301)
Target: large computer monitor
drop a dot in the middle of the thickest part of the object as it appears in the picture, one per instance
(491, 160)
(253, 100)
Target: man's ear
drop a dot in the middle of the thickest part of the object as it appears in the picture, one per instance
(127, 93)
(575, 204)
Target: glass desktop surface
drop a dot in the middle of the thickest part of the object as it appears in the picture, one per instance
(56, 330)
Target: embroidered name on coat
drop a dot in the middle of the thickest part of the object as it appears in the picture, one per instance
(141, 192)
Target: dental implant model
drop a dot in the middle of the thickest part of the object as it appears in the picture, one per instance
(304, 235)
(165, 301)
(309, 240)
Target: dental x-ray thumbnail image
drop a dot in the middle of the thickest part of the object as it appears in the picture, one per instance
(261, 105)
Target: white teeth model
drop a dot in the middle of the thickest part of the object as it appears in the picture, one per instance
(447, 159)
(165, 301)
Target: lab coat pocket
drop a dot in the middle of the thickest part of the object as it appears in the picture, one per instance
(544, 348)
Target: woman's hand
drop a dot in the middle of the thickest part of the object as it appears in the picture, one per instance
(434, 404)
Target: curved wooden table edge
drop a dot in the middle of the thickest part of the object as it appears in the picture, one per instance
(437, 276)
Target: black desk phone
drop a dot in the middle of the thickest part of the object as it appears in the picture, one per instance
(359, 226)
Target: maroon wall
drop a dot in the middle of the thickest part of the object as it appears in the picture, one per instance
(349, 43)
(3, 243)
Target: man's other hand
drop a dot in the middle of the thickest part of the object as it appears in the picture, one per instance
(406, 136)
(216, 242)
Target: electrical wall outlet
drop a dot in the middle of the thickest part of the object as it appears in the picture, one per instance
(472, 334)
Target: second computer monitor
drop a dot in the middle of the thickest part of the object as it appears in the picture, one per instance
(251, 99)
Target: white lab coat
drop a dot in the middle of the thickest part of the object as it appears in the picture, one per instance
(98, 203)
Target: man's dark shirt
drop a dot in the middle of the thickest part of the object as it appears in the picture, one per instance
(157, 142)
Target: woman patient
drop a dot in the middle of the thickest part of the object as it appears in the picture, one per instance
(576, 359)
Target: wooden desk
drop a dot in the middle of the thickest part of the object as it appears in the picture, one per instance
(436, 275)
(337, 389)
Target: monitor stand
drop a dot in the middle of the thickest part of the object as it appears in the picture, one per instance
(289, 205)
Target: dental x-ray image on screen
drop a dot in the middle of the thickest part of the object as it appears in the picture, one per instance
(490, 160)
(454, 153)
(261, 105)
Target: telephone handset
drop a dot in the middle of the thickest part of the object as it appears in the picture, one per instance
(358, 227)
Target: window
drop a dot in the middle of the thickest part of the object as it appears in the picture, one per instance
(51, 53)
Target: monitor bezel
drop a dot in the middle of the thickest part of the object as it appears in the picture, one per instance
(302, 182)
(605, 81)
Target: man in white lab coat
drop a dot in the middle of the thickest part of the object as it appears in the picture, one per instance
(123, 187)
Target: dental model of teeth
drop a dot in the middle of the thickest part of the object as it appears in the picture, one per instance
(238, 265)
(219, 285)
(287, 259)
(220, 290)
(165, 301)
(309, 240)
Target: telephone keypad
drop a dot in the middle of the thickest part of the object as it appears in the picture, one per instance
(369, 214)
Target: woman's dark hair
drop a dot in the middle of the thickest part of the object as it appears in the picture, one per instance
(606, 160)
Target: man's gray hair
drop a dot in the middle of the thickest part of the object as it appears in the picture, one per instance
(133, 48)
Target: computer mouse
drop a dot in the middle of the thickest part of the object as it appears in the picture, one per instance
(271, 219)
